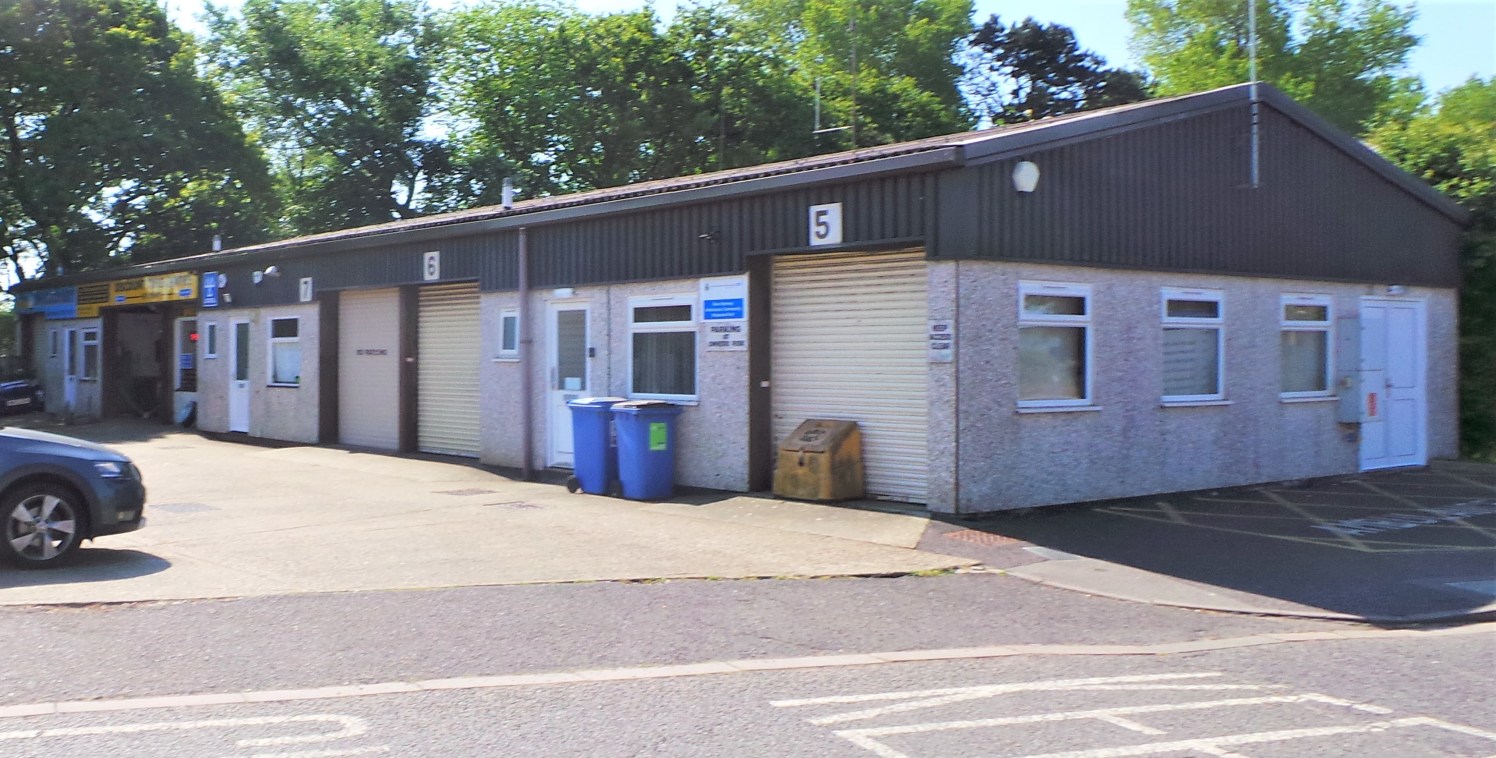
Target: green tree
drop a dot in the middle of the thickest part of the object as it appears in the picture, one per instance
(1030, 70)
(339, 92)
(1451, 144)
(904, 83)
(1344, 59)
(114, 150)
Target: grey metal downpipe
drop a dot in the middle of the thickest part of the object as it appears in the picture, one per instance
(526, 381)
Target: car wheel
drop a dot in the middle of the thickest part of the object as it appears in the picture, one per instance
(43, 526)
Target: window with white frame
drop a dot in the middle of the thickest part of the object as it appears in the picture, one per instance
(662, 343)
(285, 351)
(1054, 344)
(89, 365)
(1194, 361)
(55, 342)
(509, 333)
(1305, 345)
(210, 340)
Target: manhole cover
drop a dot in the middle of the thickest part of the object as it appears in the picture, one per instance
(465, 493)
(182, 507)
(981, 538)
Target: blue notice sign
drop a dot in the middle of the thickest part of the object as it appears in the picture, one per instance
(210, 289)
(723, 310)
(724, 298)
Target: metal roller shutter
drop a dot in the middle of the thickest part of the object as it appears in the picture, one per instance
(448, 338)
(849, 343)
(369, 369)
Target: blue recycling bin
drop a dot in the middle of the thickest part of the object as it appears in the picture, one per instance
(646, 448)
(594, 460)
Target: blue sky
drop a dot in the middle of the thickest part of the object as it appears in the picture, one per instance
(1459, 36)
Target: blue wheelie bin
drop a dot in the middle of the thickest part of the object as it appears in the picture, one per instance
(646, 448)
(595, 462)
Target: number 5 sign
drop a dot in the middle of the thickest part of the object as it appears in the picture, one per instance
(431, 269)
(826, 224)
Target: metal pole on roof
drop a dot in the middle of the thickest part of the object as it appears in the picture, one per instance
(1252, 93)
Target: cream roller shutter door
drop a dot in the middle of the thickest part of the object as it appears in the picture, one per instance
(448, 345)
(849, 334)
(369, 369)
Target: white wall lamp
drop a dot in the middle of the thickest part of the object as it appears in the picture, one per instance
(1397, 289)
(270, 272)
(1025, 176)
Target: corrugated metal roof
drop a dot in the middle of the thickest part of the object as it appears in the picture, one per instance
(986, 143)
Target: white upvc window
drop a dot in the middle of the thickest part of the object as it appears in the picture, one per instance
(509, 333)
(285, 351)
(662, 347)
(1304, 354)
(1194, 363)
(1054, 345)
(210, 340)
(89, 361)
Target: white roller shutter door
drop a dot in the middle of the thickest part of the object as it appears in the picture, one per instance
(448, 343)
(849, 343)
(369, 369)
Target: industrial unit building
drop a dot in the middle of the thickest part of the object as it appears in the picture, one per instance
(1095, 306)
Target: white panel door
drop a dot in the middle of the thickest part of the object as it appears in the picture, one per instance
(566, 332)
(449, 338)
(849, 343)
(239, 376)
(369, 369)
(1394, 354)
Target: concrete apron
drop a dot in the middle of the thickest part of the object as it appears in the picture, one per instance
(235, 520)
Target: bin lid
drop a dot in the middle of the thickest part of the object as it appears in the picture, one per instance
(646, 406)
(595, 402)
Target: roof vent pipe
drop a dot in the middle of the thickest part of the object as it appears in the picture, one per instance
(217, 242)
(508, 193)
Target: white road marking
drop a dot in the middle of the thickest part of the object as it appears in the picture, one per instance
(872, 738)
(335, 753)
(1212, 744)
(350, 727)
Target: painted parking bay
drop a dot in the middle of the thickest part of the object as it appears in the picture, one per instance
(1394, 545)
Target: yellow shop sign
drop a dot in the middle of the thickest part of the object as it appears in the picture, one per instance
(160, 288)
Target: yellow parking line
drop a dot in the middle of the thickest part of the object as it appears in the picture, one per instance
(1479, 530)
(1290, 505)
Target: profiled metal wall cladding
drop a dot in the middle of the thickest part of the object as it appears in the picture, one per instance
(1177, 197)
(715, 238)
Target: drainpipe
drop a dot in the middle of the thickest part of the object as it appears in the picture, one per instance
(526, 382)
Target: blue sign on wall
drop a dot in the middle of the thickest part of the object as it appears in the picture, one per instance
(59, 303)
(721, 310)
(210, 289)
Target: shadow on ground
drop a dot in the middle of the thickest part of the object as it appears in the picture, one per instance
(91, 564)
(1401, 544)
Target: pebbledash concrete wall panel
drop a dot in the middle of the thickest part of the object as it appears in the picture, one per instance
(1130, 444)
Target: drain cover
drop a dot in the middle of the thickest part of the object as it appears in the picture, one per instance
(981, 538)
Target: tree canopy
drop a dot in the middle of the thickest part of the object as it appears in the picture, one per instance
(1029, 70)
(338, 91)
(1344, 59)
(114, 150)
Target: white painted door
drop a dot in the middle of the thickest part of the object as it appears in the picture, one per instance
(239, 376)
(369, 369)
(567, 337)
(850, 343)
(1394, 355)
(72, 356)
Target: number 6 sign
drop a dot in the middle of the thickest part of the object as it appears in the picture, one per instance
(826, 224)
(431, 269)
